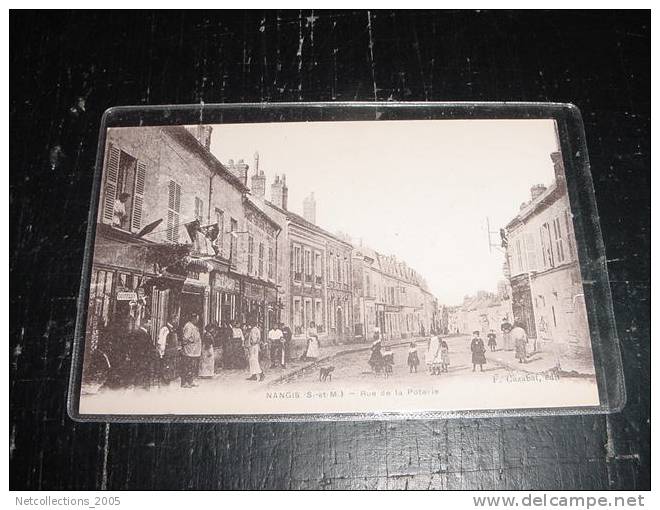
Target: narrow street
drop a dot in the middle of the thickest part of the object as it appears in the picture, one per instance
(354, 368)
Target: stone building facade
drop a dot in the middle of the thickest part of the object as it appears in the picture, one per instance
(547, 292)
(391, 296)
(184, 239)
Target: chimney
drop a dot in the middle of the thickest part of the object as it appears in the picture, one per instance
(279, 193)
(239, 169)
(258, 179)
(309, 208)
(537, 190)
(203, 135)
(558, 162)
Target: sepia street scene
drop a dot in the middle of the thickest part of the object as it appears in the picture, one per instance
(335, 267)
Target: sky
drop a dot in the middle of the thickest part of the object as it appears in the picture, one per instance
(420, 190)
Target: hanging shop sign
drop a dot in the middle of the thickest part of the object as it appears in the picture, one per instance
(127, 296)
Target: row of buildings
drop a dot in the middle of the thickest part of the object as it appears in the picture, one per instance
(178, 232)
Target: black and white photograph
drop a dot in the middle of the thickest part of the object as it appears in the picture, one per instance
(335, 267)
(266, 249)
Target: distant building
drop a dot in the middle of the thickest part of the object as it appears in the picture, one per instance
(391, 296)
(546, 287)
(315, 273)
(481, 312)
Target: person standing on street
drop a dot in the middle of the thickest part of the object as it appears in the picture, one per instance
(478, 352)
(207, 360)
(254, 341)
(286, 343)
(168, 348)
(312, 351)
(191, 350)
(143, 357)
(519, 338)
(492, 340)
(444, 356)
(413, 358)
(506, 328)
(432, 357)
(276, 341)
(235, 358)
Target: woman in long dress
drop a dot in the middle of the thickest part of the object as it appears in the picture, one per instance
(207, 362)
(433, 355)
(376, 357)
(312, 351)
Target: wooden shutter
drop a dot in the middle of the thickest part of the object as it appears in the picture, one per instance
(138, 195)
(174, 207)
(110, 189)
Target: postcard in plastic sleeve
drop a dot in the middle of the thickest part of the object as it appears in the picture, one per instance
(343, 261)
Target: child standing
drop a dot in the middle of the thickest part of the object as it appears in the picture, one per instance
(492, 340)
(444, 356)
(413, 357)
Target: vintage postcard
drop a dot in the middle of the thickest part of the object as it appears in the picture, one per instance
(285, 268)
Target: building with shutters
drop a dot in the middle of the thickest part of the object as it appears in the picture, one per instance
(544, 274)
(316, 283)
(390, 296)
(176, 234)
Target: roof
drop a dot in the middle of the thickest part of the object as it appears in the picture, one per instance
(480, 301)
(187, 140)
(296, 218)
(262, 213)
(535, 206)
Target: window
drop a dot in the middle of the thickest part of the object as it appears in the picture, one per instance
(297, 316)
(569, 235)
(308, 266)
(530, 250)
(271, 260)
(546, 246)
(233, 227)
(250, 254)
(173, 210)
(123, 190)
(338, 269)
(559, 239)
(318, 267)
(318, 315)
(309, 313)
(519, 256)
(297, 263)
(199, 209)
(261, 259)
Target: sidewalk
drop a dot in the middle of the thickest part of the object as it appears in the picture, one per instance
(542, 361)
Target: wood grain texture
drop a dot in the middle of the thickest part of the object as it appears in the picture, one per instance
(67, 68)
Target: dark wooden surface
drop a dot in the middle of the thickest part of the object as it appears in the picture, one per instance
(66, 69)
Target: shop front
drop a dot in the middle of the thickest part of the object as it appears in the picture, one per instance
(259, 303)
(225, 297)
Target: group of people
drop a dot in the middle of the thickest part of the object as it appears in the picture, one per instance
(126, 359)
(437, 351)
